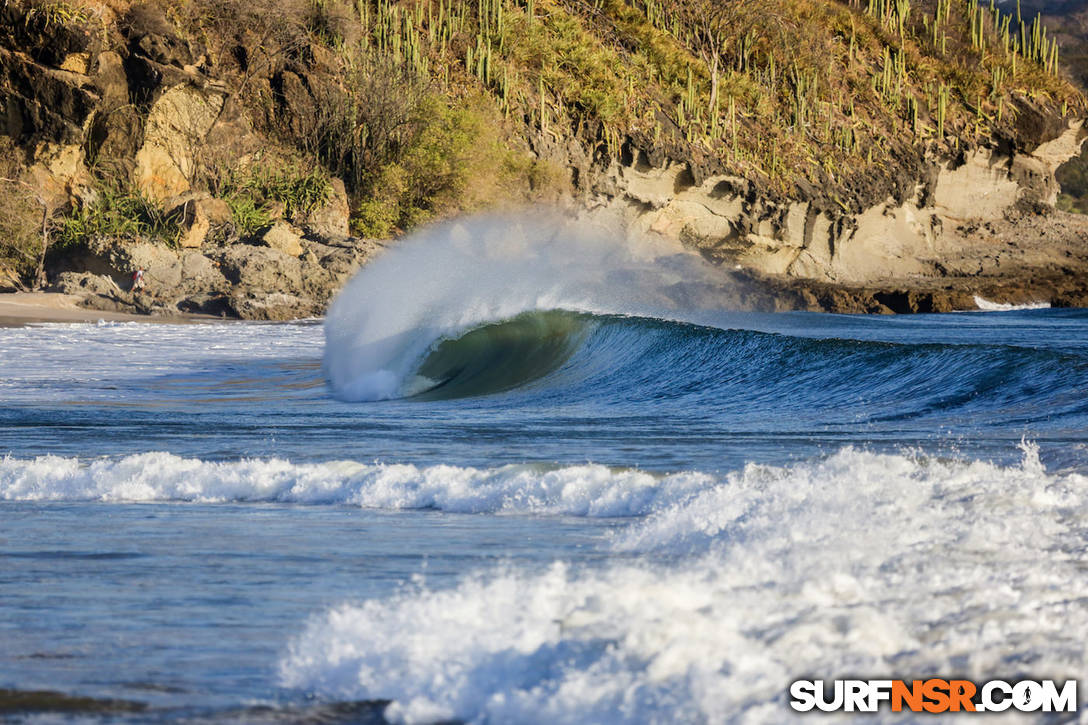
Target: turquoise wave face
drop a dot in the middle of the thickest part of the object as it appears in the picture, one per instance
(503, 356)
(770, 380)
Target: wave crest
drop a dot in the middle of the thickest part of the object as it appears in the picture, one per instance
(588, 490)
(453, 278)
(860, 563)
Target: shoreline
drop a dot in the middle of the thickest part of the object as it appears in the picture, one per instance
(18, 309)
(1017, 260)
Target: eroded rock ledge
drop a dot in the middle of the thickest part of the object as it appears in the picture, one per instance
(248, 281)
(983, 224)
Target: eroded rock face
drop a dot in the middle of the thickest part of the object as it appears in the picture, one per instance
(176, 127)
(84, 284)
(41, 102)
(200, 274)
(721, 216)
(274, 306)
(261, 268)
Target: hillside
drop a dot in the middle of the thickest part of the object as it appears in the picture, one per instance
(238, 151)
(1068, 21)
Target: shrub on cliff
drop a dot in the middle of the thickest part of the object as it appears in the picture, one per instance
(116, 211)
(26, 223)
(262, 190)
(454, 160)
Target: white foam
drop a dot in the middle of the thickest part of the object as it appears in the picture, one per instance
(450, 278)
(861, 564)
(589, 490)
(987, 306)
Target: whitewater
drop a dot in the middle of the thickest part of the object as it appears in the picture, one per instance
(525, 473)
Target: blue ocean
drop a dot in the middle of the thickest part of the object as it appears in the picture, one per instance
(522, 475)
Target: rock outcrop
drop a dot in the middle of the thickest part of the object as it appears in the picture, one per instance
(238, 280)
(918, 254)
(807, 238)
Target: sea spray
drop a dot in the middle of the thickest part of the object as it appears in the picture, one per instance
(859, 562)
(988, 306)
(454, 277)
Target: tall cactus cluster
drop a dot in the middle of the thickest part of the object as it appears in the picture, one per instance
(778, 87)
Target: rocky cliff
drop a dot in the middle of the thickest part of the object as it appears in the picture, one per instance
(924, 252)
(840, 155)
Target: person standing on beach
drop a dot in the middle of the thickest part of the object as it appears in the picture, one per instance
(137, 280)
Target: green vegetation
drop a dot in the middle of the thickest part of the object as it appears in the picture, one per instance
(262, 191)
(455, 161)
(777, 89)
(116, 211)
(430, 107)
(52, 14)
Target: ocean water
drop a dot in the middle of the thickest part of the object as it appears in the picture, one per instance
(523, 475)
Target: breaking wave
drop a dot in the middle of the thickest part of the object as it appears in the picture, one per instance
(589, 490)
(858, 563)
(494, 306)
(988, 306)
(469, 276)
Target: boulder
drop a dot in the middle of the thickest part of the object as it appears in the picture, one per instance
(162, 268)
(83, 284)
(283, 237)
(185, 205)
(272, 306)
(197, 214)
(330, 220)
(261, 268)
(343, 261)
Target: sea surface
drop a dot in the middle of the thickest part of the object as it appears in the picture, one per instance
(509, 498)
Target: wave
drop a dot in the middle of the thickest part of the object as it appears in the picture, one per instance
(751, 376)
(587, 490)
(988, 306)
(452, 279)
(528, 307)
(501, 356)
(858, 563)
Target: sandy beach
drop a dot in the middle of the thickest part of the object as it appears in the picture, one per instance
(21, 308)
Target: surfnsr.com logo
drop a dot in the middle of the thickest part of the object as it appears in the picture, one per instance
(933, 695)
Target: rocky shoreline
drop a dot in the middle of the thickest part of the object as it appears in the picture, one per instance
(1019, 259)
(199, 152)
(282, 273)
(286, 273)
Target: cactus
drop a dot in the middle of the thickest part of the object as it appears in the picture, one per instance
(942, 109)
